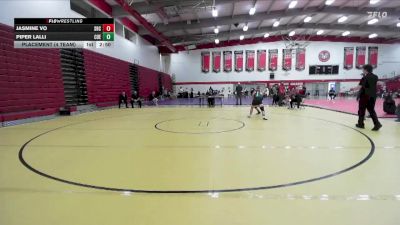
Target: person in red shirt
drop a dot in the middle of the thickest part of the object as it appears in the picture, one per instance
(281, 93)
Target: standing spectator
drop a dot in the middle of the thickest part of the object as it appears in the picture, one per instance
(239, 90)
(368, 98)
(123, 99)
(275, 96)
(281, 93)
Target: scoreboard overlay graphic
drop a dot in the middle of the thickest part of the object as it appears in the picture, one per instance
(64, 32)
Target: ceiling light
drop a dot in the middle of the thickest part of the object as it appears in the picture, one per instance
(241, 37)
(345, 33)
(245, 28)
(307, 19)
(375, 20)
(276, 23)
(342, 19)
(214, 12)
(252, 11)
(216, 41)
(266, 35)
(292, 4)
(329, 2)
(216, 30)
(320, 32)
(292, 33)
(373, 2)
(374, 35)
(398, 24)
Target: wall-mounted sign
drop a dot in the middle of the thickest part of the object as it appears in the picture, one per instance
(324, 56)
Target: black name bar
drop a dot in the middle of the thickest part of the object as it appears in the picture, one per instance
(46, 21)
(29, 28)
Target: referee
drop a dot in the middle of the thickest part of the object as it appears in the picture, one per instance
(367, 98)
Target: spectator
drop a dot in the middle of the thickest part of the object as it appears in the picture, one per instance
(239, 90)
(332, 94)
(389, 105)
(123, 99)
(153, 98)
(136, 99)
(398, 112)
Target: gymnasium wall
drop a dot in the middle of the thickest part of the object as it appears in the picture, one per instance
(106, 77)
(29, 79)
(186, 65)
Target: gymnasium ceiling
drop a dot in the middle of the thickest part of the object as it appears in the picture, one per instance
(186, 22)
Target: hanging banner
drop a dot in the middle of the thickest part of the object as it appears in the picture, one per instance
(300, 59)
(360, 57)
(261, 60)
(287, 59)
(348, 58)
(250, 60)
(227, 61)
(373, 56)
(273, 59)
(205, 62)
(216, 56)
(239, 61)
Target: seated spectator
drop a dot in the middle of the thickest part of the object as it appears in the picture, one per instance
(398, 112)
(332, 94)
(389, 105)
(153, 98)
(295, 97)
(136, 99)
(123, 99)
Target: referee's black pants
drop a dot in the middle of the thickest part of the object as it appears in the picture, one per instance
(367, 103)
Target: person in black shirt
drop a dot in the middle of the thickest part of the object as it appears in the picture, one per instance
(239, 90)
(123, 99)
(332, 94)
(153, 98)
(136, 99)
(367, 98)
(389, 105)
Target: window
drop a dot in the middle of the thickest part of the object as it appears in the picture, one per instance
(129, 35)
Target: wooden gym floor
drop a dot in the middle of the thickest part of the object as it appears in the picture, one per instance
(200, 166)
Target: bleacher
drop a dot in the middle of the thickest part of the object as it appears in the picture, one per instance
(31, 80)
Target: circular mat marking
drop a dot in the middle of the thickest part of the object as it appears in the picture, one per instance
(199, 125)
(116, 189)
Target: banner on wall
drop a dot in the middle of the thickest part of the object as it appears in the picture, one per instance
(373, 56)
(205, 62)
(227, 61)
(273, 59)
(216, 56)
(261, 60)
(300, 59)
(360, 57)
(239, 61)
(250, 54)
(348, 58)
(287, 59)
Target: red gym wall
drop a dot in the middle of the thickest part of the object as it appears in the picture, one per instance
(106, 77)
(31, 80)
